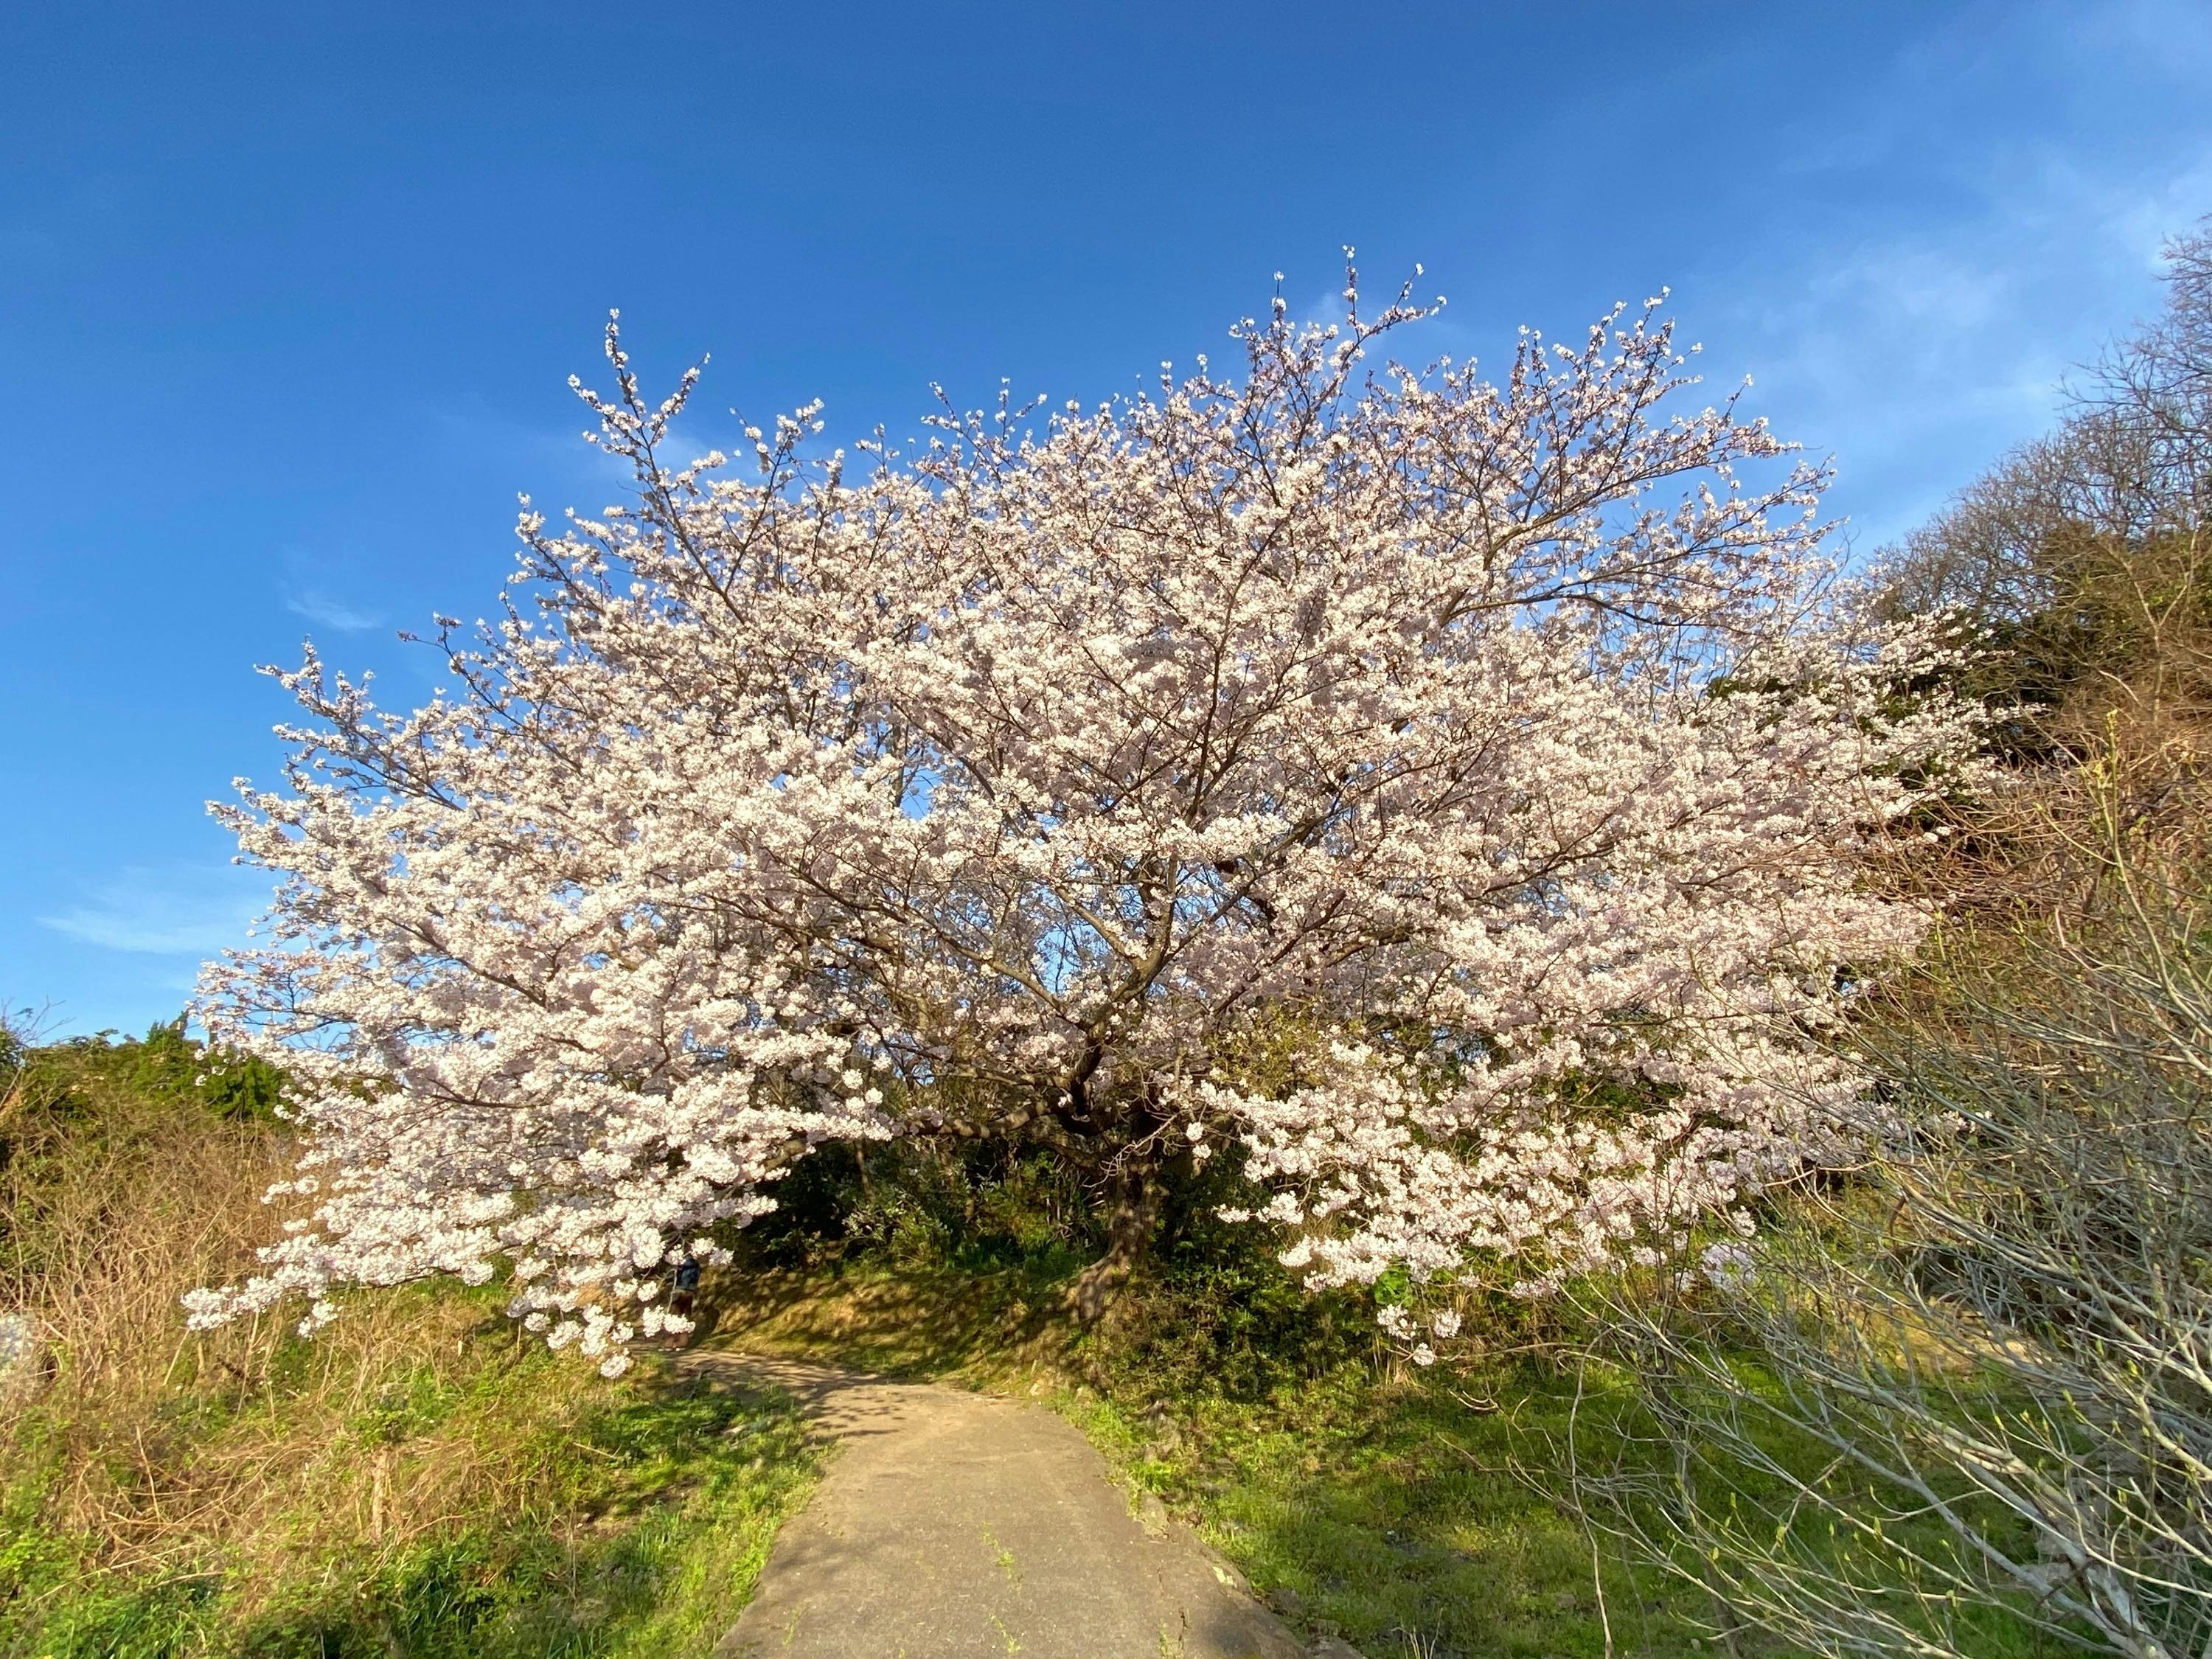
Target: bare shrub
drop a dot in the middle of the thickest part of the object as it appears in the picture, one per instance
(1971, 1387)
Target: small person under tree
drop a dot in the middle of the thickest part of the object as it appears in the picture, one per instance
(1480, 756)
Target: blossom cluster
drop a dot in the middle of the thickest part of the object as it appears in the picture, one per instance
(1498, 736)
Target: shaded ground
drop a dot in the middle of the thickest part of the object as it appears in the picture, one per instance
(953, 1524)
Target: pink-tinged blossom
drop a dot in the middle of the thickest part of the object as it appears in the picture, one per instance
(1492, 734)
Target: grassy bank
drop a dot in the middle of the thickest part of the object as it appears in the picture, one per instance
(415, 1481)
(422, 1479)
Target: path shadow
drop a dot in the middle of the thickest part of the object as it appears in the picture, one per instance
(925, 1322)
(835, 1404)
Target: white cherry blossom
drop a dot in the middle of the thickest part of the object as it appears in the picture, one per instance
(1483, 751)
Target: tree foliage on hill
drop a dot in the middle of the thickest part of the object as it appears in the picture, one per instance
(57, 1088)
(64, 1107)
(1452, 794)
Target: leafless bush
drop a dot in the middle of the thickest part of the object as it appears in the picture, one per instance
(1971, 1387)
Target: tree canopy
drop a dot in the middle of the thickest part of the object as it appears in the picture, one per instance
(1449, 794)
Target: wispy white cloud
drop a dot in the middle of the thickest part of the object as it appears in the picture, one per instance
(171, 910)
(1918, 339)
(317, 582)
(320, 608)
(471, 428)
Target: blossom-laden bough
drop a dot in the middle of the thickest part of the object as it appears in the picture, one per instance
(1493, 740)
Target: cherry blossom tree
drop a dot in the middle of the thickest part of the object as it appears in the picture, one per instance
(1481, 754)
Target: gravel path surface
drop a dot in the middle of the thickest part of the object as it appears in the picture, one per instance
(957, 1526)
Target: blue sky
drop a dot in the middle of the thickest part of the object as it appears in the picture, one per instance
(288, 296)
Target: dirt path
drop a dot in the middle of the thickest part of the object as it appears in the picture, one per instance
(955, 1526)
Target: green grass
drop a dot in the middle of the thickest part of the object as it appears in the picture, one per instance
(1390, 1517)
(419, 1481)
(648, 1512)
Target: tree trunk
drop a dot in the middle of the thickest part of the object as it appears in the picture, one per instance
(1135, 1194)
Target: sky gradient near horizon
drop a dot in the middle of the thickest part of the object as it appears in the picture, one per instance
(289, 296)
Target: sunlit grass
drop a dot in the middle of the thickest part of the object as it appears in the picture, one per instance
(420, 1480)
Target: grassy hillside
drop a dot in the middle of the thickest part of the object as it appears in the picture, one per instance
(415, 1481)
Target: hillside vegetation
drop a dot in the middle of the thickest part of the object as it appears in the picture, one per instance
(417, 1481)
